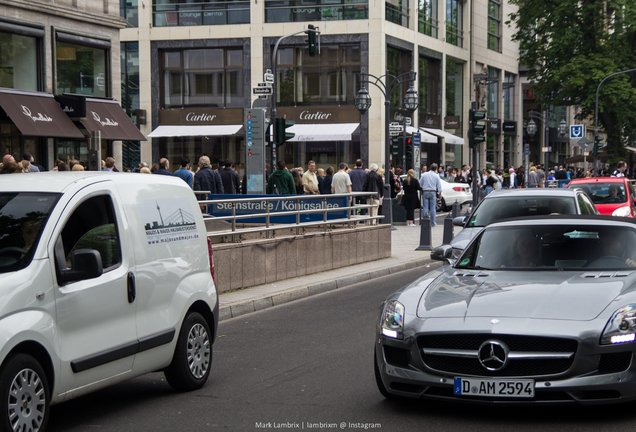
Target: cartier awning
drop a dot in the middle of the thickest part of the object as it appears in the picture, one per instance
(185, 131)
(37, 114)
(448, 137)
(323, 132)
(107, 116)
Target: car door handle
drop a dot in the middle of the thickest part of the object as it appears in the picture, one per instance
(132, 292)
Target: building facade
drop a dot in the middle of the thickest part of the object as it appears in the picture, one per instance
(50, 49)
(193, 66)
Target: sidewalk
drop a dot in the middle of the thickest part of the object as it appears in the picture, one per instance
(404, 241)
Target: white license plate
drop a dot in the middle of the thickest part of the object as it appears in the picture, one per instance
(494, 388)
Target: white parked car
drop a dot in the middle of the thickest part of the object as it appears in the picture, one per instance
(105, 277)
(451, 192)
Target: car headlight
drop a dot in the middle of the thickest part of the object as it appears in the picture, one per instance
(622, 211)
(621, 328)
(392, 320)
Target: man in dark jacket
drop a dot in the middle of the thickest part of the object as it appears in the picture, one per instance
(164, 167)
(372, 182)
(207, 180)
(230, 179)
(281, 179)
(357, 177)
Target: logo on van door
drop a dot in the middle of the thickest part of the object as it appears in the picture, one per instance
(168, 221)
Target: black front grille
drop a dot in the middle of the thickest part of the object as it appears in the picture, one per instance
(614, 362)
(519, 367)
(397, 356)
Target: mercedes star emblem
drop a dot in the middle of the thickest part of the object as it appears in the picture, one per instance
(493, 355)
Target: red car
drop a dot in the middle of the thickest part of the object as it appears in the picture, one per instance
(612, 196)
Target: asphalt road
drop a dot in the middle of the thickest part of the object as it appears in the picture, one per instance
(302, 364)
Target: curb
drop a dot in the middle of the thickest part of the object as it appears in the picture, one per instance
(245, 307)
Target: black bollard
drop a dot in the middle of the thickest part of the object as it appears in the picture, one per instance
(448, 229)
(457, 209)
(425, 234)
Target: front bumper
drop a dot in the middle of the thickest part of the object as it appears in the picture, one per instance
(587, 381)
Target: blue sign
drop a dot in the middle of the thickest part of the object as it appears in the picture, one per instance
(225, 209)
(577, 131)
(527, 149)
(416, 140)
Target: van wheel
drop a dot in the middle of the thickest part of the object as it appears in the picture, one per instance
(192, 358)
(24, 394)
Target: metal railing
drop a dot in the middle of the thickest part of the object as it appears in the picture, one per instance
(268, 227)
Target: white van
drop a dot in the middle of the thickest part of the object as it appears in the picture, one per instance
(103, 277)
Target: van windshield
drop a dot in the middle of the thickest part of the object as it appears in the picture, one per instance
(22, 219)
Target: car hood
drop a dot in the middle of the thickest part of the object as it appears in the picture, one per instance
(461, 240)
(555, 295)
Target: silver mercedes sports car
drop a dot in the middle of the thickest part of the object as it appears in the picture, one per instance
(540, 310)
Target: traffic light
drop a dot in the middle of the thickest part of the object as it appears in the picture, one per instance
(396, 146)
(597, 145)
(475, 130)
(280, 134)
(409, 149)
(311, 40)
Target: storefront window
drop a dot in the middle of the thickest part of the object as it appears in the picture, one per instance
(492, 157)
(81, 70)
(324, 153)
(315, 10)
(217, 148)
(202, 77)
(454, 89)
(330, 78)
(19, 64)
(168, 13)
(428, 89)
(427, 17)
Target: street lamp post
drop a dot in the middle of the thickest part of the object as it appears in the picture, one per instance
(363, 103)
(532, 129)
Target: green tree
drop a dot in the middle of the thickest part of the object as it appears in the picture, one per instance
(570, 46)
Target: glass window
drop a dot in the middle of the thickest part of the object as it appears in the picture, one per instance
(454, 88)
(22, 219)
(398, 62)
(167, 13)
(19, 64)
(93, 226)
(212, 77)
(81, 70)
(509, 96)
(494, 25)
(427, 17)
(455, 22)
(492, 152)
(331, 77)
(493, 93)
(428, 87)
(315, 10)
(397, 11)
(603, 193)
(128, 11)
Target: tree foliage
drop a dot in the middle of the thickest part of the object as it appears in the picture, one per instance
(570, 46)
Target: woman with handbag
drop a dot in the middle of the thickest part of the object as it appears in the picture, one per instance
(411, 199)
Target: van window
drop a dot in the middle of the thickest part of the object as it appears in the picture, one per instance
(93, 226)
(22, 219)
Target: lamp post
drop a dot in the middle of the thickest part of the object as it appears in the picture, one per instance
(532, 129)
(363, 103)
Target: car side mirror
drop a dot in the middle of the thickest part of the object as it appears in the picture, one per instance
(85, 264)
(459, 221)
(442, 253)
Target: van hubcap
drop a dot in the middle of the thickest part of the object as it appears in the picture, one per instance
(198, 351)
(27, 402)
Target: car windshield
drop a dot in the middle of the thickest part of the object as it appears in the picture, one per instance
(603, 193)
(22, 218)
(560, 247)
(495, 209)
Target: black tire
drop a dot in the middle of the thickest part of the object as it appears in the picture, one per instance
(192, 359)
(24, 394)
(440, 205)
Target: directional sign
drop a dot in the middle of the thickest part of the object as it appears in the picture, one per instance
(268, 76)
(394, 133)
(262, 90)
(526, 149)
(546, 149)
(264, 84)
(583, 142)
(393, 127)
(586, 153)
(407, 120)
(577, 131)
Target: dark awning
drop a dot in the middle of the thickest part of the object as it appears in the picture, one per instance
(37, 114)
(107, 116)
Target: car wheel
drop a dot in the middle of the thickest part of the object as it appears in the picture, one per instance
(441, 205)
(24, 394)
(190, 367)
